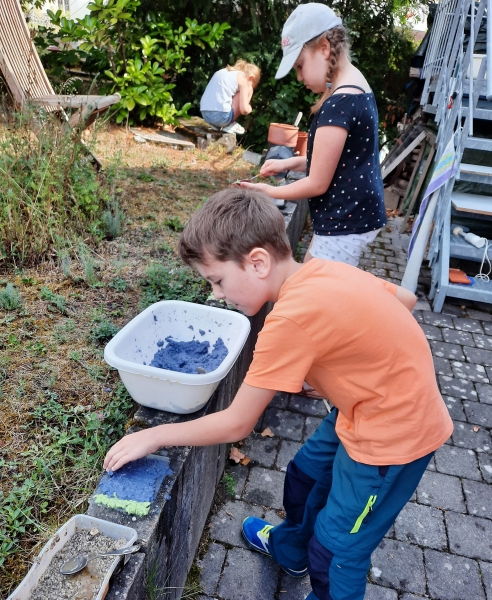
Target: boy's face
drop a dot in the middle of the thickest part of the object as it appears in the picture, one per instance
(246, 288)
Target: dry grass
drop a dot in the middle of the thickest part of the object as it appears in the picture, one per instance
(47, 355)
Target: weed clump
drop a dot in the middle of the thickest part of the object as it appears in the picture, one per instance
(174, 223)
(103, 332)
(49, 188)
(172, 283)
(56, 300)
(10, 298)
(112, 220)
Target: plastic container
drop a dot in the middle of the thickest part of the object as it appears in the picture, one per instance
(61, 537)
(136, 343)
(281, 134)
(301, 145)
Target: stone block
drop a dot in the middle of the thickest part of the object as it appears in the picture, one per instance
(458, 388)
(248, 575)
(442, 366)
(438, 320)
(261, 450)
(398, 565)
(441, 491)
(478, 356)
(312, 423)
(485, 462)
(478, 413)
(280, 400)
(128, 583)
(455, 407)
(469, 536)
(452, 577)
(294, 589)
(265, 487)
(431, 332)
(453, 309)
(482, 341)
(465, 436)
(239, 473)
(470, 372)
(286, 453)
(284, 423)
(481, 315)
(211, 568)
(422, 525)
(454, 336)
(308, 406)
(377, 592)
(478, 498)
(225, 526)
(484, 392)
(457, 461)
(471, 325)
(419, 315)
(445, 350)
(487, 327)
(486, 569)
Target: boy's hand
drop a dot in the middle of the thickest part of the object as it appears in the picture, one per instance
(131, 447)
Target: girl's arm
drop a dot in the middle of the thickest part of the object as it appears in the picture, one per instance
(327, 150)
(245, 93)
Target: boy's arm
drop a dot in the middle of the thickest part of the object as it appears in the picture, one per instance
(232, 424)
(245, 93)
(406, 297)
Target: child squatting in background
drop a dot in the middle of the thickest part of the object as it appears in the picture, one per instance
(228, 95)
(348, 482)
(343, 183)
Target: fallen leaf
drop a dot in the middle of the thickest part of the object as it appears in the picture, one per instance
(235, 454)
(229, 513)
(267, 432)
(476, 428)
(245, 461)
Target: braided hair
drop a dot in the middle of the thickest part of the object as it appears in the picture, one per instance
(339, 43)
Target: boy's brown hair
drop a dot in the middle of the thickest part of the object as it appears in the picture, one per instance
(230, 224)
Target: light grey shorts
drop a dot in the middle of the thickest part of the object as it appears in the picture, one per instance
(342, 248)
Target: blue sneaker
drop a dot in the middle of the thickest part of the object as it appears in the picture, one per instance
(256, 533)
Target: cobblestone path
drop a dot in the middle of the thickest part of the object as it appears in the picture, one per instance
(441, 544)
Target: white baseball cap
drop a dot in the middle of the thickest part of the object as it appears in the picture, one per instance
(305, 23)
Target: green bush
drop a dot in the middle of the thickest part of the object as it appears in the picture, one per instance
(10, 298)
(103, 332)
(140, 54)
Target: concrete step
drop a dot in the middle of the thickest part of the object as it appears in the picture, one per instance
(475, 173)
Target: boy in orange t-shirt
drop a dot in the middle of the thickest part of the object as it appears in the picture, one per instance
(352, 337)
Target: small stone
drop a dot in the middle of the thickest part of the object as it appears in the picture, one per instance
(94, 531)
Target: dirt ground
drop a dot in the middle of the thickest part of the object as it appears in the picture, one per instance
(60, 404)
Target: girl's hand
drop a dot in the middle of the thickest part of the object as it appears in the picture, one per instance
(131, 447)
(259, 187)
(272, 166)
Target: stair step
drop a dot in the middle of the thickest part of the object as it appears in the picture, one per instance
(472, 203)
(475, 143)
(476, 173)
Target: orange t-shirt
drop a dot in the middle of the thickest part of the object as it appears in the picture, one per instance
(344, 332)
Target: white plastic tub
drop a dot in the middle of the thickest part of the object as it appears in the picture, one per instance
(173, 391)
(61, 537)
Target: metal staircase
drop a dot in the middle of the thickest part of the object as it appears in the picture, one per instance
(460, 103)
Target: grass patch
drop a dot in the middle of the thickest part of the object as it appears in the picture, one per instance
(172, 283)
(103, 332)
(56, 300)
(10, 297)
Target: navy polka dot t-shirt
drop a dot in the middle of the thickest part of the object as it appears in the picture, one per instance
(354, 202)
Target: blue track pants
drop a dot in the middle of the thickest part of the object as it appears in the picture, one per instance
(338, 511)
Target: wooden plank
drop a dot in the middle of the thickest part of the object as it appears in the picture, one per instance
(162, 139)
(472, 203)
(394, 163)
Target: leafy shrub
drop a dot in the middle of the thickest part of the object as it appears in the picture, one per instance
(49, 189)
(139, 53)
(172, 283)
(103, 332)
(56, 300)
(10, 297)
(118, 284)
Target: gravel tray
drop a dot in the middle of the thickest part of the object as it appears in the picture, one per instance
(86, 584)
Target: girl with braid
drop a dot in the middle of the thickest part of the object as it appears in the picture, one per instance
(343, 179)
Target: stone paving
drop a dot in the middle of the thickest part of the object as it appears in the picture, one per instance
(440, 547)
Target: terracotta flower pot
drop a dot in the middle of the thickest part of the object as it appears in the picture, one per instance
(280, 134)
(301, 146)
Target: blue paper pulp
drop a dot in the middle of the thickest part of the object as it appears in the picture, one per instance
(139, 480)
(185, 357)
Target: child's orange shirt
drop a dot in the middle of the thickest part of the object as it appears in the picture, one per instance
(344, 332)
